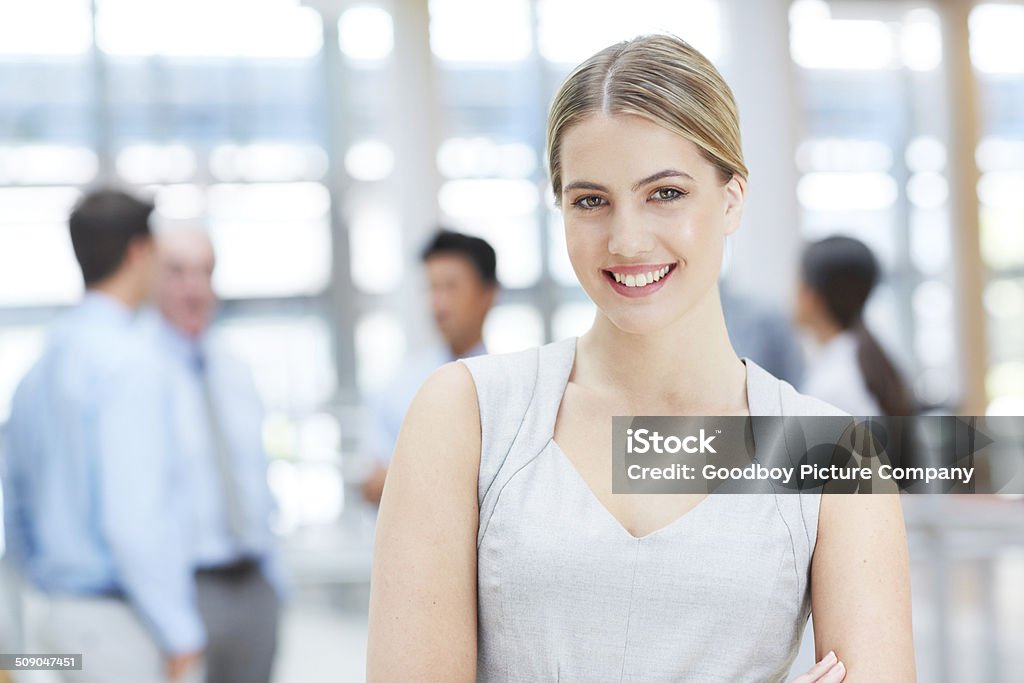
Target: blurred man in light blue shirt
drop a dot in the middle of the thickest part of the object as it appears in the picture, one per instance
(94, 500)
(216, 421)
(461, 272)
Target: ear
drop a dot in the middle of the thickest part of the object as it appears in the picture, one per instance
(735, 190)
(140, 247)
(491, 296)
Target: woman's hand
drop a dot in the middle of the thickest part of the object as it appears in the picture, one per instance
(828, 670)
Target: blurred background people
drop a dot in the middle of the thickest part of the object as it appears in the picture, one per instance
(461, 272)
(93, 499)
(216, 427)
(849, 368)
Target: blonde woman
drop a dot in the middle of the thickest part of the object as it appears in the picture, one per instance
(501, 552)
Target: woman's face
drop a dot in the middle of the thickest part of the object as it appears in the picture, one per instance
(645, 219)
(808, 309)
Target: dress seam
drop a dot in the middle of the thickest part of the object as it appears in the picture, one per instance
(497, 498)
(519, 430)
(629, 614)
(792, 540)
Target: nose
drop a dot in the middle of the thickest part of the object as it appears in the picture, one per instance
(628, 234)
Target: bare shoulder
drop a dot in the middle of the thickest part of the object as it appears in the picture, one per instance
(443, 412)
(423, 587)
(438, 448)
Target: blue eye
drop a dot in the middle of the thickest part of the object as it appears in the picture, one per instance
(589, 202)
(667, 194)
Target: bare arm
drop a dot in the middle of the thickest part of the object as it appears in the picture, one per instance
(860, 587)
(423, 588)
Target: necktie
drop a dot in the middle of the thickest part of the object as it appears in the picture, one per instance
(237, 527)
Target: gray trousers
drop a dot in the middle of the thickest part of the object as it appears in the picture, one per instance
(240, 611)
(115, 646)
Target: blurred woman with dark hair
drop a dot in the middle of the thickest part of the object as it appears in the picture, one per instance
(851, 370)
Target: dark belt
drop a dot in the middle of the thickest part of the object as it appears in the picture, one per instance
(238, 569)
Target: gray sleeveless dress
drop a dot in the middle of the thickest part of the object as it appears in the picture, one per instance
(565, 593)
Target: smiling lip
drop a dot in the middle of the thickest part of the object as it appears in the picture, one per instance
(636, 270)
(634, 292)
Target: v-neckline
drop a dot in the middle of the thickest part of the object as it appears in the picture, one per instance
(615, 521)
(589, 492)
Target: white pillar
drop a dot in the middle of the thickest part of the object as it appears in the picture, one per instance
(757, 66)
(342, 306)
(415, 128)
(964, 135)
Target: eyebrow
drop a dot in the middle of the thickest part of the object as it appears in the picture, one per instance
(660, 175)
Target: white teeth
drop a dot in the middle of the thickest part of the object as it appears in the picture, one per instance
(641, 279)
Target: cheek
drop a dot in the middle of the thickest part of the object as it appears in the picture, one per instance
(584, 259)
(704, 224)
(465, 298)
(804, 304)
(693, 238)
(584, 243)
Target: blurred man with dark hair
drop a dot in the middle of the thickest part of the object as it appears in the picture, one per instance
(92, 500)
(461, 272)
(106, 227)
(218, 421)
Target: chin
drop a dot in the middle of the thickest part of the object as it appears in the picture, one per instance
(194, 327)
(642, 322)
(650, 319)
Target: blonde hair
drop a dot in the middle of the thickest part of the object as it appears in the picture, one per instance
(661, 78)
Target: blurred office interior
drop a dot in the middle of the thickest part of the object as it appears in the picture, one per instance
(321, 141)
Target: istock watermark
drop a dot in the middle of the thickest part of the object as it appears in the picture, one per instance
(929, 454)
(646, 441)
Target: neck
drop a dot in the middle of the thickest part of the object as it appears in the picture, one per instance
(460, 347)
(825, 331)
(120, 288)
(189, 335)
(688, 368)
